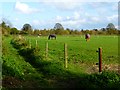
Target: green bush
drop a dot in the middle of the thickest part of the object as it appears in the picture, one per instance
(30, 54)
(106, 79)
(19, 43)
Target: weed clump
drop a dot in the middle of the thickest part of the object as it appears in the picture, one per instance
(107, 79)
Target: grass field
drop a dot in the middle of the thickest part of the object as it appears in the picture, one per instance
(80, 51)
(78, 47)
(37, 71)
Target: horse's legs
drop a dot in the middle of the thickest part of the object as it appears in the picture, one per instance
(49, 38)
(87, 39)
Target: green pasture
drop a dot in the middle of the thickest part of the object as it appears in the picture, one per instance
(82, 55)
(78, 48)
(50, 72)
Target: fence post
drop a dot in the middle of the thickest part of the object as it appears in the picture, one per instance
(65, 55)
(30, 43)
(100, 59)
(36, 43)
(46, 53)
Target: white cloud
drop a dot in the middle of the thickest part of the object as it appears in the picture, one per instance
(68, 17)
(16, 19)
(79, 0)
(24, 8)
(63, 4)
(74, 21)
(76, 15)
(0, 19)
(70, 22)
(115, 6)
(74, 24)
(116, 26)
(59, 18)
(79, 16)
(61, 0)
(101, 4)
(112, 18)
(36, 22)
(95, 19)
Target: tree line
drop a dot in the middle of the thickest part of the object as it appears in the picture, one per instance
(58, 30)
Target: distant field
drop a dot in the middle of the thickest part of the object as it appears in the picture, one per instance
(82, 59)
(80, 49)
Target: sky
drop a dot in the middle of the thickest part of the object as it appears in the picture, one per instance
(72, 14)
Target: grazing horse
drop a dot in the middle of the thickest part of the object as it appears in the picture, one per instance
(87, 37)
(39, 35)
(52, 36)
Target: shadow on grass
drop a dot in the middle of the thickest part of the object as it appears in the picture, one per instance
(7, 70)
(58, 77)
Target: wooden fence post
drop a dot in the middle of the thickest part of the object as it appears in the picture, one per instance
(46, 53)
(100, 59)
(36, 44)
(65, 55)
(30, 43)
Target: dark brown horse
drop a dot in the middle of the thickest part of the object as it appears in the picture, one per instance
(87, 37)
(51, 36)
